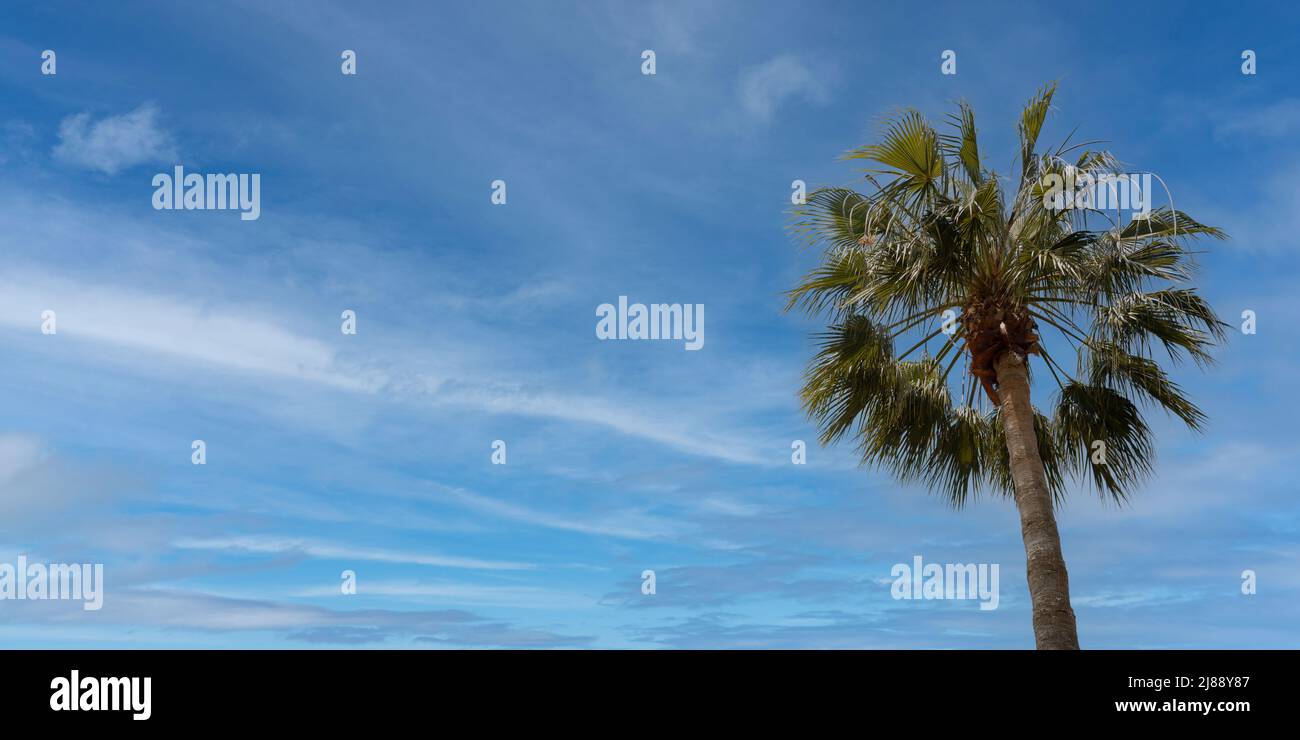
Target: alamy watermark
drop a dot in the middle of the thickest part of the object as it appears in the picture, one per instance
(77, 693)
(53, 581)
(948, 581)
(683, 322)
(1103, 192)
(214, 191)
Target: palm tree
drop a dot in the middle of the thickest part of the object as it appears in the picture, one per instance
(937, 256)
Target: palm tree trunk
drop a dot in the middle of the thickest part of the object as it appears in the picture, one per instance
(1049, 584)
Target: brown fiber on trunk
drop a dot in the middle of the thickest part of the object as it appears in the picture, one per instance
(992, 329)
(1049, 584)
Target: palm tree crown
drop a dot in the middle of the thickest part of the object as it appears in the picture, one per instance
(940, 258)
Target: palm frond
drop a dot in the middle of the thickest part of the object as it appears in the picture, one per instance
(935, 230)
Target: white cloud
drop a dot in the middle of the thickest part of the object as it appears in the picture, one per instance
(731, 507)
(18, 453)
(223, 337)
(462, 594)
(114, 143)
(634, 525)
(171, 326)
(181, 304)
(42, 492)
(765, 87)
(1277, 119)
(275, 545)
(634, 420)
(168, 609)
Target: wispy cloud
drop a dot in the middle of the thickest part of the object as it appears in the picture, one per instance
(1276, 119)
(676, 431)
(634, 525)
(44, 496)
(179, 609)
(114, 143)
(276, 546)
(766, 87)
(168, 325)
(463, 594)
(18, 452)
(475, 323)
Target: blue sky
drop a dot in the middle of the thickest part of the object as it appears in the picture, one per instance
(371, 452)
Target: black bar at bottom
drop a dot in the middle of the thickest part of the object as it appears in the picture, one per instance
(957, 689)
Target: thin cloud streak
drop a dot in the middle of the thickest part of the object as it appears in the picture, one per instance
(274, 545)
